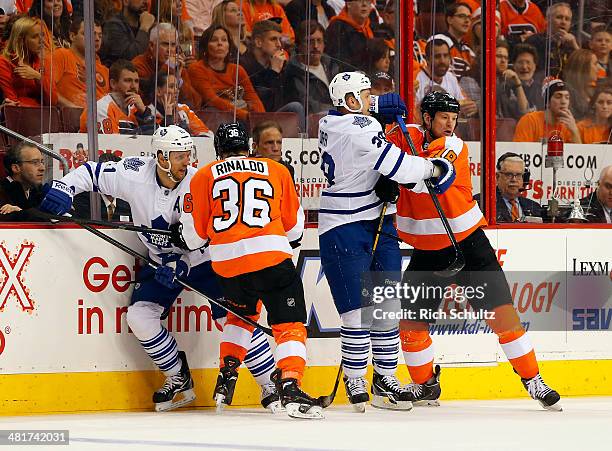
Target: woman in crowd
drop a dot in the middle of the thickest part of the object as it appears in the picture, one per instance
(379, 56)
(228, 14)
(580, 74)
(597, 127)
(214, 77)
(57, 21)
(21, 78)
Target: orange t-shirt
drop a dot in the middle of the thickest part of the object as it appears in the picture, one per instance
(256, 13)
(592, 133)
(531, 128)
(513, 22)
(70, 77)
(249, 210)
(217, 88)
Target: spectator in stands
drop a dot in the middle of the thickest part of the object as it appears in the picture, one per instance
(521, 19)
(174, 12)
(348, 33)
(229, 15)
(474, 36)
(511, 99)
(268, 143)
(580, 75)
(112, 209)
(21, 189)
(310, 61)
(21, 77)
(163, 43)
(122, 110)
(215, 77)
(201, 12)
(168, 111)
(382, 83)
(69, 67)
(601, 44)
(265, 63)
(320, 11)
(510, 206)
(597, 127)
(7, 9)
(556, 44)
(437, 74)
(525, 65)
(597, 206)
(458, 24)
(378, 56)
(126, 35)
(557, 119)
(56, 19)
(257, 10)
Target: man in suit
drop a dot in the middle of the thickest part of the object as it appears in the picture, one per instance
(597, 206)
(510, 206)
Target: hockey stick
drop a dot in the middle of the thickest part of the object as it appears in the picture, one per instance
(326, 400)
(155, 265)
(112, 225)
(459, 263)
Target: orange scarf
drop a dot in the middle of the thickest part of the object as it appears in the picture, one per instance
(363, 29)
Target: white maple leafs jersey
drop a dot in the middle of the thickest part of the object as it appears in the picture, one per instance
(134, 180)
(354, 154)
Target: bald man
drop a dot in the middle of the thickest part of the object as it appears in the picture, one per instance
(598, 205)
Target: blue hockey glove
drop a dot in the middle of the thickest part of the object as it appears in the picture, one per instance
(165, 276)
(388, 106)
(172, 267)
(446, 179)
(57, 198)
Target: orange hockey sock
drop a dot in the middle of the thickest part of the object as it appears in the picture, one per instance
(418, 354)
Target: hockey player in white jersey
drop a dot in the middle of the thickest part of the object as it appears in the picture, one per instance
(157, 190)
(355, 155)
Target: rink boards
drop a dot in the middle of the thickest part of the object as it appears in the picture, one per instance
(65, 344)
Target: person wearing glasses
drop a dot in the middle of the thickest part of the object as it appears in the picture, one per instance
(511, 206)
(21, 189)
(458, 19)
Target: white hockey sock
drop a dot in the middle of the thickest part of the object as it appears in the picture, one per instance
(163, 351)
(385, 350)
(355, 351)
(259, 359)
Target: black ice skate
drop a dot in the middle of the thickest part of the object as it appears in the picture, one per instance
(357, 392)
(226, 382)
(177, 390)
(388, 393)
(546, 396)
(297, 403)
(270, 399)
(427, 394)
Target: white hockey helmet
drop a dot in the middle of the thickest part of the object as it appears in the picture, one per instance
(172, 139)
(348, 83)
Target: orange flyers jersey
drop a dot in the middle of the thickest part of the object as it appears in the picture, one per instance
(418, 223)
(249, 210)
(111, 118)
(513, 22)
(70, 77)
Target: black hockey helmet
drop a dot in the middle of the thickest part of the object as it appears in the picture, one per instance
(231, 137)
(439, 101)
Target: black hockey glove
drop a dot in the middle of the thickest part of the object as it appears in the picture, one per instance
(387, 190)
(176, 239)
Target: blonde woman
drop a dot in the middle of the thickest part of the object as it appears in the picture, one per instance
(22, 79)
(228, 15)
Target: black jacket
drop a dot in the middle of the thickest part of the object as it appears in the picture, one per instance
(347, 46)
(593, 210)
(267, 82)
(11, 192)
(82, 209)
(318, 90)
(503, 214)
(297, 13)
(121, 41)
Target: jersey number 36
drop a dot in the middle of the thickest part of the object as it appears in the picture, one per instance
(252, 195)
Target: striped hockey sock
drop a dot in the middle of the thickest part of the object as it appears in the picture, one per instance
(259, 359)
(355, 351)
(163, 350)
(418, 354)
(519, 351)
(385, 350)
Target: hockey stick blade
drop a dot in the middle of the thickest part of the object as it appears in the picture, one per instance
(326, 400)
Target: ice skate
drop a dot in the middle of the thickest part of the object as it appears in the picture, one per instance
(297, 403)
(226, 383)
(357, 392)
(177, 390)
(388, 393)
(427, 394)
(546, 396)
(270, 399)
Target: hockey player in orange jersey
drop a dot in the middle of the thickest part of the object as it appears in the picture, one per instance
(419, 225)
(249, 211)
